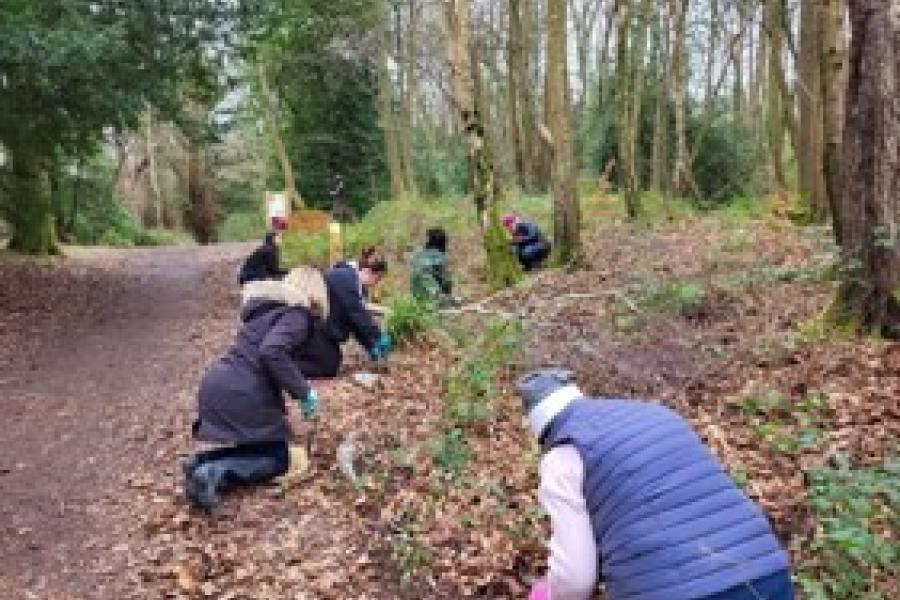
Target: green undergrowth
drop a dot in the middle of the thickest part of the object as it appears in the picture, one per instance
(109, 223)
(470, 388)
(854, 545)
(243, 227)
(784, 426)
(409, 318)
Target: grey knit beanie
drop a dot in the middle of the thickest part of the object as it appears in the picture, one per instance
(545, 393)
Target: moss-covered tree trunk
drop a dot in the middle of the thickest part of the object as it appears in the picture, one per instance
(502, 266)
(869, 297)
(32, 214)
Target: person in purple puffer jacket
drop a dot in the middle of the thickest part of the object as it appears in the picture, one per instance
(636, 500)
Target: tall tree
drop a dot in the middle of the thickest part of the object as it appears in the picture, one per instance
(584, 19)
(514, 53)
(72, 69)
(774, 99)
(386, 114)
(682, 178)
(272, 120)
(502, 266)
(408, 107)
(632, 42)
(831, 48)
(661, 117)
(870, 215)
(812, 181)
(566, 213)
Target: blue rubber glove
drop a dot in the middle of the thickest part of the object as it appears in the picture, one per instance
(309, 406)
(381, 348)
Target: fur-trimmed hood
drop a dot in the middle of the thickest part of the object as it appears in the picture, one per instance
(303, 286)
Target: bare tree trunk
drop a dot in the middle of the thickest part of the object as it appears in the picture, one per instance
(388, 119)
(831, 21)
(152, 171)
(502, 266)
(631, 81)
(623, 99)
(661, 119)
(202, 211)
(566, 213)
(605, 86)
(737, 59)
(711, 50)
(758, 90)
(409, 99)
(870, 294)
(809, 160)
(775, 112)
(527, 132)
(584, 18)
(513, 57)
(290, 186)
(682, 178)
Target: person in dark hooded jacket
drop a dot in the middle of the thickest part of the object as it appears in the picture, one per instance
(430, 279)
(241, 396)
(264, 262)
(348, 286)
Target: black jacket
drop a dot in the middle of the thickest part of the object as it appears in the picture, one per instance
(262, 264)
(347, 315)
(241, 395)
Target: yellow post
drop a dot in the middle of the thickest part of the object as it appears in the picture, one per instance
(335, 243)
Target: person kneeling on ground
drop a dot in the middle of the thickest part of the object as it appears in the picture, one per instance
(638, 501)
(263, 263)
(241, 402)
(429, 275)
(348, 284)
(531, 247)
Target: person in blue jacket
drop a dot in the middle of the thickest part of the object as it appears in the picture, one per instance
(530, 245)
(348, 286)
(636, 500)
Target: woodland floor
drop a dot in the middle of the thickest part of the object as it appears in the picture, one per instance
(100, 355)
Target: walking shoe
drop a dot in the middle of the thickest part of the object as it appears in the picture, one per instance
(191, 489)
(208, 479)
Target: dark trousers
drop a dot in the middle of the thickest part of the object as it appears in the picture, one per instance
(532, 255)
(247, 464)
(776, 586)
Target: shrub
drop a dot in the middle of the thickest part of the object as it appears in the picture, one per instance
(305, 249)
(408, 318)
(451, 452)
(242, 227)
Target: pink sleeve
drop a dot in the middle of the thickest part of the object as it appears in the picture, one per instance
(572, 573)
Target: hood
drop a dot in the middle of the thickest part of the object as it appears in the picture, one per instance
(304, 287)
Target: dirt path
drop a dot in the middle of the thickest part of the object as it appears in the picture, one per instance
(80, 398)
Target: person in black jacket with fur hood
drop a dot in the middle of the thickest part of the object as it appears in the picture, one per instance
(241, 396)
(264, 262)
